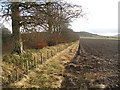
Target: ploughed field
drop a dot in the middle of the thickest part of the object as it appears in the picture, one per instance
(103, 48)
(96, 66)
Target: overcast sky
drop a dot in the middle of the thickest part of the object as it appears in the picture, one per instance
(101, 18)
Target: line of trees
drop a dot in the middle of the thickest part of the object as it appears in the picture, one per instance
(27, 17)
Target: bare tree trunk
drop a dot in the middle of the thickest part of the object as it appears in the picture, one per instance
(50, 25)
(17, 40)
(50, 38)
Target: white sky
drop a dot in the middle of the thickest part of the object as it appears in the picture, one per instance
(101, 18)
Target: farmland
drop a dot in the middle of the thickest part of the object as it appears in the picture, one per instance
(41, 50)
(96, 66)
(100, 37)
(107, 49)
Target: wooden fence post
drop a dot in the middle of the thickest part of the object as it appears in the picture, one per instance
(51, 53)
(16, 73)
(35, 63)
(41, 59)
(9, 78)
(47, 55)
(27, 67)
(20, 76)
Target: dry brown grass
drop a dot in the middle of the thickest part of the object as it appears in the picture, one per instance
(49, 74)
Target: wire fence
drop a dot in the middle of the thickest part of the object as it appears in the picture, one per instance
(19, 66)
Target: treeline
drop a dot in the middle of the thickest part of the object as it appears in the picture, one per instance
(32, 19)
(38, 40)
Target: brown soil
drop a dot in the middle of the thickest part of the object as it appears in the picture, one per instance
(95, 67)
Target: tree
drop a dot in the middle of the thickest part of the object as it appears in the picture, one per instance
(15, 12)
(55, 16)
(32, 16)
(15, 15)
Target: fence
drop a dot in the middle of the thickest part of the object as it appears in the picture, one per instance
(26, 62)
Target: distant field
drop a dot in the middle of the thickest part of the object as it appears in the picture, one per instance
(102, 48)
(88, 35)
(109, 38)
